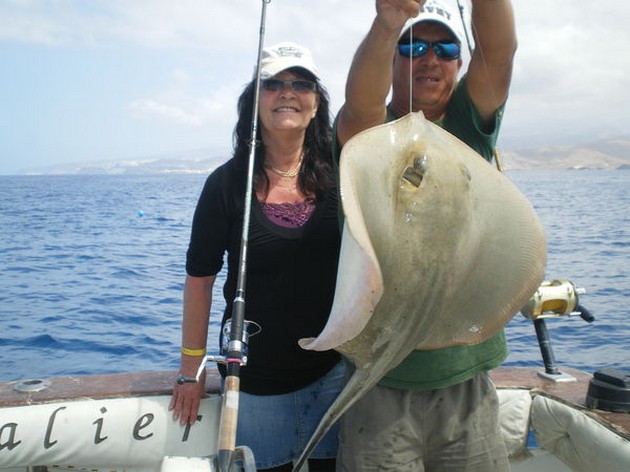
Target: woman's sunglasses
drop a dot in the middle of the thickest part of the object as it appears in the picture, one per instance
(298, 85)
(447, 50)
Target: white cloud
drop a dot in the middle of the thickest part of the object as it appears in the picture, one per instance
(150, 108)
(570, 72)
(571, 68)
(193, 98)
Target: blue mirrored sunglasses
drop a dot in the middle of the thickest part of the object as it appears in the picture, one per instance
(298, 85)
(447, 50)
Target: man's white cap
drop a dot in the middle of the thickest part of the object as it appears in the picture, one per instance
(438, 12)
(282, 56)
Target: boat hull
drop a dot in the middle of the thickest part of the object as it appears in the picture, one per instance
(122, 422)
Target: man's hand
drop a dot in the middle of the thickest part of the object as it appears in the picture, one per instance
(394, 13)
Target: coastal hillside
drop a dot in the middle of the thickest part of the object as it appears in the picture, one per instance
(607, 154)
(604, 154)
(192, 162)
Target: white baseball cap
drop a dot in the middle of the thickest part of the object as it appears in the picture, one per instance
(282, 56)
(437, 12)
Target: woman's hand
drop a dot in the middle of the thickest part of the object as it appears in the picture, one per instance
(186, 399)
(197, 302)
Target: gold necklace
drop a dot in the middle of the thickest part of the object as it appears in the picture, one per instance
(290, 173)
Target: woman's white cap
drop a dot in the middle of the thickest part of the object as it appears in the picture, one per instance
(282, 56)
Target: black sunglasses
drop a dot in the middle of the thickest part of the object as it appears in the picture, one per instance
(298, 85)
(447, 50)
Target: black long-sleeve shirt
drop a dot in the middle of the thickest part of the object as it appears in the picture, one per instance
(291, 275)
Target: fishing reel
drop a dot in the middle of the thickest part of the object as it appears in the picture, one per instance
(554, 299)
(250, 328)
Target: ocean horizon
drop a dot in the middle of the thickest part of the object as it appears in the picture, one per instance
(93, 269)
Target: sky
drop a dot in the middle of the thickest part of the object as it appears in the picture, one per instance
(94, 80)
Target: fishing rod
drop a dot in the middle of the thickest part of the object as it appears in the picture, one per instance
(236, 348)
(497, 158)
(236, 330)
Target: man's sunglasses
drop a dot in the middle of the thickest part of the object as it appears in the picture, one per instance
(447, 50)
(298, 85)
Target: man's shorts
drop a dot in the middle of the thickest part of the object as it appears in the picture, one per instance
(449, 429)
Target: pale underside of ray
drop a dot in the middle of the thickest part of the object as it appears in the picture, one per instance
(438, 249)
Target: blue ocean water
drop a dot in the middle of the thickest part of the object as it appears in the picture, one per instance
(92, 270)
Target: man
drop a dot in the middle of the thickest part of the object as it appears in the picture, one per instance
(437, 410)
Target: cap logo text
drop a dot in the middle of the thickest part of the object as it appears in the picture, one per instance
(289, 51)
(436, 9)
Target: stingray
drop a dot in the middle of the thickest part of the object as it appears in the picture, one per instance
(439, 249)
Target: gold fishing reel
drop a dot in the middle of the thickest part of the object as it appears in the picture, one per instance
(556, 298)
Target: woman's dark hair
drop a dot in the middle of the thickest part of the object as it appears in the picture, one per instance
(316, 174)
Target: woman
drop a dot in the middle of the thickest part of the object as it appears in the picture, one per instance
(293, 247)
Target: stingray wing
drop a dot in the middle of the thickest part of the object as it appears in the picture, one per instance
(439, 249)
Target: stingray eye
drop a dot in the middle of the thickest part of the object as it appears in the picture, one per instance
(415, 174)
(421, 163)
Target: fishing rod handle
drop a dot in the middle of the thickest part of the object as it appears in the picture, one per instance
(229, 419)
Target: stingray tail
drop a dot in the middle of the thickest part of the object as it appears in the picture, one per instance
(357, 385)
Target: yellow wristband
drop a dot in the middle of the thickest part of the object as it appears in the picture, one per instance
(194, 352)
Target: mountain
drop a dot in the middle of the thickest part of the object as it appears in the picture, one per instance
(613, 153)
(609, 154)
(189, 162)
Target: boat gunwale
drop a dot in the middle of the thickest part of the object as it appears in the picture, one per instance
(157, 383)
(101, 386)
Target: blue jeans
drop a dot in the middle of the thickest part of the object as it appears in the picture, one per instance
(277, 427)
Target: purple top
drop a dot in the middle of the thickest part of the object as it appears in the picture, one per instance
(289, 215)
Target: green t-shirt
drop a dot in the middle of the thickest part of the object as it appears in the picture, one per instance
(438, 368)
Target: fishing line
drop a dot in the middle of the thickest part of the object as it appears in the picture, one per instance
(411, 69)
(497, 158)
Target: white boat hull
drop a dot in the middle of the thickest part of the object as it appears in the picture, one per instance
(121, 423)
